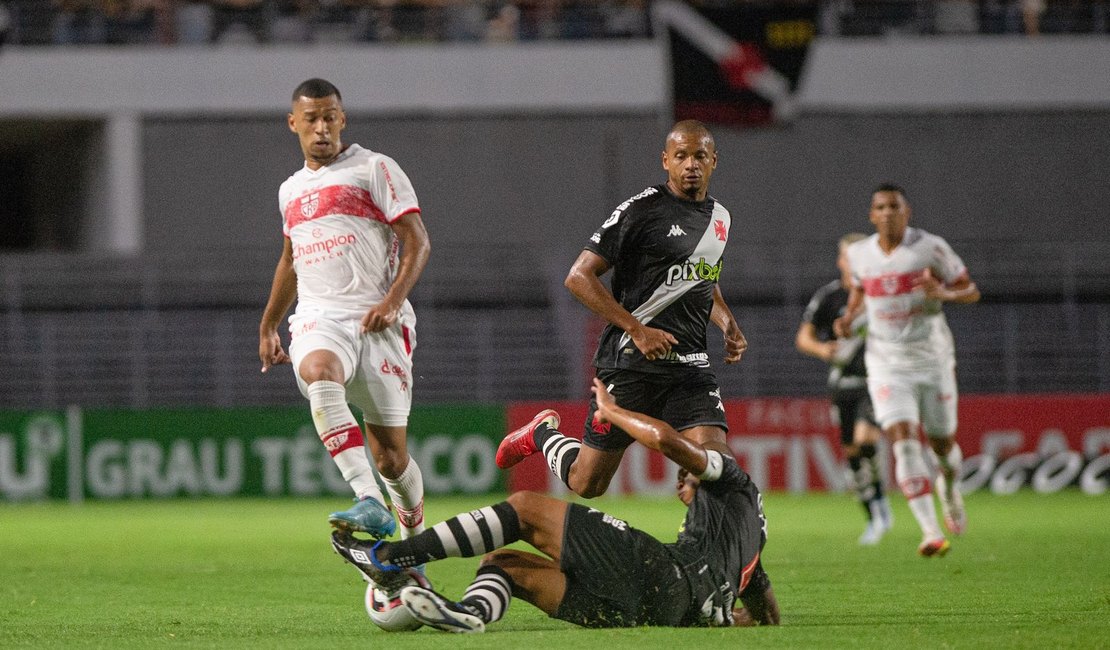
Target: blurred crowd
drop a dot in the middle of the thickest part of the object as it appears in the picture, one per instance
(40, 22)
(305, 21)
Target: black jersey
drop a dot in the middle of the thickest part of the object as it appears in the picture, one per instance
(720, 542)
(829, 302)
(666, 256)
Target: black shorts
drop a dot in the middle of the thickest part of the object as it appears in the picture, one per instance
(852, 406)
(617, 576)
(681, 400)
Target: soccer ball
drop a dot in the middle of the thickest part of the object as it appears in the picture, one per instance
(387, 611)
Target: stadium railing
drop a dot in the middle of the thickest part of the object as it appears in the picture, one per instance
(121, 332)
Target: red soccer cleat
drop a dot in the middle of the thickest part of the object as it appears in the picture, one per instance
(934, 547)
(521, 444)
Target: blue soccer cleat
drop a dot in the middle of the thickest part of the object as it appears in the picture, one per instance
(368, 516)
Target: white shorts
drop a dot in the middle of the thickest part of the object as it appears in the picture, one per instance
(377, 366)
(925, 396)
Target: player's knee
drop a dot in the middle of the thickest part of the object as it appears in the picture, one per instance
(316, 370)
(590, 488)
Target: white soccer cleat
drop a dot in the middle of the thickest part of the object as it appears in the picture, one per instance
(433, 610)
(952, 506)
(872, 534)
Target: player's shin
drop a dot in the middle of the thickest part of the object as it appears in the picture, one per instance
(406, 492)
(467, 534)
(342, 437)
(559, 451)
(912, 475)
(490, 593)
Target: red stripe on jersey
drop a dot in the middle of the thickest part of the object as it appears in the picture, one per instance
(408, 344)
(890, 284)
(746, 573)
(333, 199)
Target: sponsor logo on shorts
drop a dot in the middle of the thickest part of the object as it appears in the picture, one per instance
(699, 359)
(302, 329)
(600, 427)
(396, 371)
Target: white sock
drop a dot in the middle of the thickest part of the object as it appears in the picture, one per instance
(407, 494)
(912, 475)
(342, 436)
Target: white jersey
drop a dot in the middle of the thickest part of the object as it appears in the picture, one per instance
(337, 219)
(905, 329)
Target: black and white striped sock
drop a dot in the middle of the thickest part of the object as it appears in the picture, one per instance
(465, 535)
(490, 593)
(559, 450)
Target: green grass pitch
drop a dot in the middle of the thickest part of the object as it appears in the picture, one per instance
(1032, 572)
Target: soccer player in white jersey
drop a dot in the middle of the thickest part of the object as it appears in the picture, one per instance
(355, 246)
(903, 276)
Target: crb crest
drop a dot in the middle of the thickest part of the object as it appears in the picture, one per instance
(309, 204)
(889, 284)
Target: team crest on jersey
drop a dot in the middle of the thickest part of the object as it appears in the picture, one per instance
(889, 284)
(309, 204)
(720, 230)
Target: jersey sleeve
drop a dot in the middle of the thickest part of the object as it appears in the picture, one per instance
(815, 308)
(610, 238)
(731, 478)
(391, 189)
(946, 262)
(282, 200)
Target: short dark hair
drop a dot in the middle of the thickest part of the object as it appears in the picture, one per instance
(316, 88)
(890, 187)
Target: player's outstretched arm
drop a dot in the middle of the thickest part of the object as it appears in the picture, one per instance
(584, 281)
(283, 292)
(653, 433)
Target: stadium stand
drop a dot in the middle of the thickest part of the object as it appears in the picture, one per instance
(190, 22)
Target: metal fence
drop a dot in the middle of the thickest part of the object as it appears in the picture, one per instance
(176, 331)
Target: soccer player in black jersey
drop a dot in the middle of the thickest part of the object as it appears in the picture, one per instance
(665, 248)
(599, 571)
(847, 384)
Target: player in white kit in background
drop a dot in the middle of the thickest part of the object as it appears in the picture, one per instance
(355, 246)
(902, 276)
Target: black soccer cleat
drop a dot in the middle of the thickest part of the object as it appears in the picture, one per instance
(362, 555)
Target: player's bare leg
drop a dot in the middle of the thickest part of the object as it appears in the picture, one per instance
(324, 375)
(536, 580)
(948, 457)
(912, 474)
(400, 473)
(589, 475)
